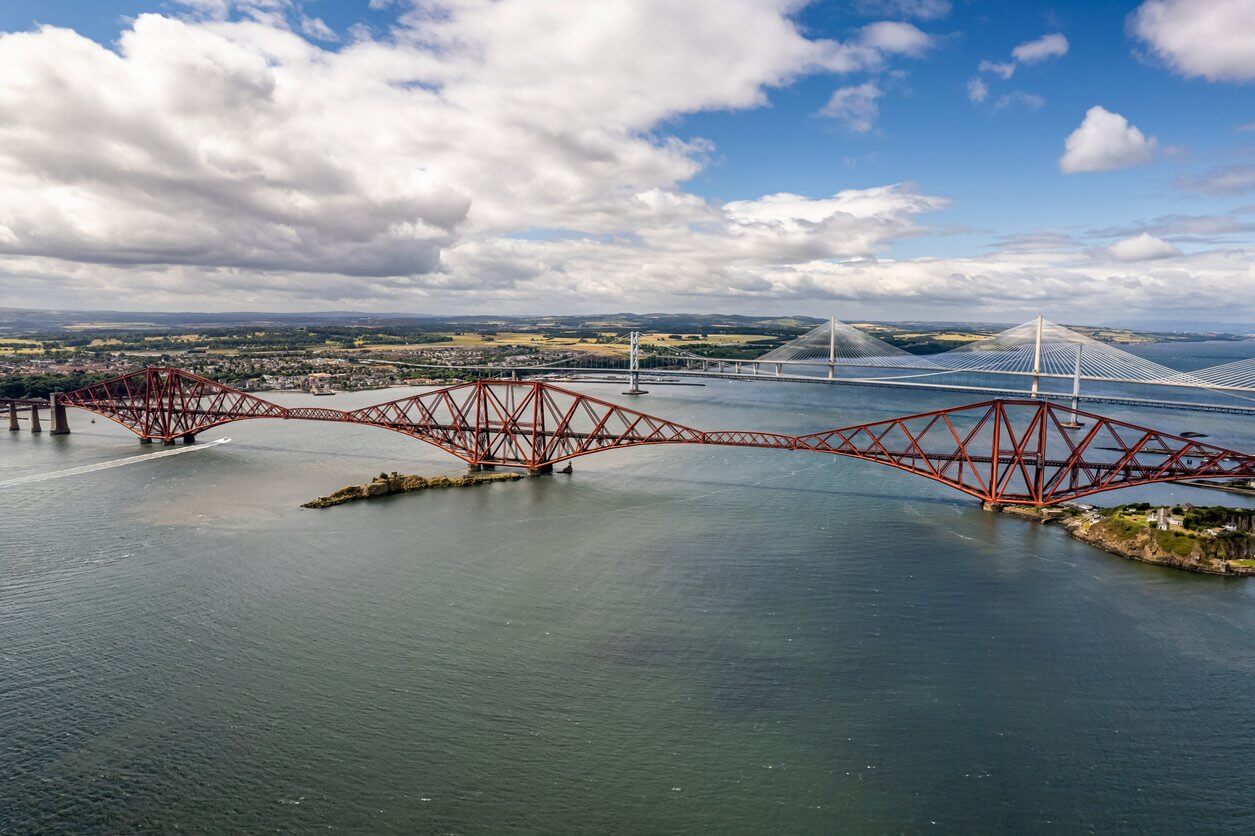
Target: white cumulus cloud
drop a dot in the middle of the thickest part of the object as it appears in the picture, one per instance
(1053, 45)
(977, 90)
(855, 106)
(317, 28)
(1143, 247)
(221, 156)
(1105, 141)
(895, 37)
(1004, 69)
(507, 156)
(1212, 39)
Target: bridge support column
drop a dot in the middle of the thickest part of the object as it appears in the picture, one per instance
(778, 366)
(634, 366)
(60, 424)
(1075, 423)
(13, 427)
(167, 442)
(143, 440)
(540, 470)
(190, 438)
(1037, 359)
(36, 427)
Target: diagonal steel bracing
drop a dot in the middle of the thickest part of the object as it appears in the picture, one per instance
(1023, 452)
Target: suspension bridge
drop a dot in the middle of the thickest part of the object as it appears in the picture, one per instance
(1018, 452)
(1037, 359)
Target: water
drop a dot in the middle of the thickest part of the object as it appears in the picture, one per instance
(672, 639)
(1188, 357)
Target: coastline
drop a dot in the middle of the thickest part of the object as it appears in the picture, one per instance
(1190, 553)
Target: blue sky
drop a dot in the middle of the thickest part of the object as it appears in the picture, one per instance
(999, 166)
(752, 195)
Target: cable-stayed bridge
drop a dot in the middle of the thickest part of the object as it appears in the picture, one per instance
(1038, 358)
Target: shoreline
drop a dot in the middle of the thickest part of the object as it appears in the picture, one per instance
(1218, 486)
(1189, 553)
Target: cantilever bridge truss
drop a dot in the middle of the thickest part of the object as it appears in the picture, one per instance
(1022, 452)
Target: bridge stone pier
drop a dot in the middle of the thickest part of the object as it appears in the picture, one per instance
(57, 415)
(60, 423)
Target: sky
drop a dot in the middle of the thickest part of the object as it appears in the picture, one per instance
(869, 159)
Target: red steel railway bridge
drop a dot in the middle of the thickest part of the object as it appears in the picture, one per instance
(1013, 452)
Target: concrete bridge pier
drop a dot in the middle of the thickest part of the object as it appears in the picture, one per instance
(540, 471)
(167, 442)
(36, 427)
(145, 440)
(189, 438)
(13, 427)
(60, 423)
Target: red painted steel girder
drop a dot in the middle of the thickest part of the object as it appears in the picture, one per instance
(1029, 452)
(1024, 452)
(168, 403)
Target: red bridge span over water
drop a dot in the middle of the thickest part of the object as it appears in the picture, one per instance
(1018, 452)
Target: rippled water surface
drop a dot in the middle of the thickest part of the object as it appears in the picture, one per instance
(671, 639)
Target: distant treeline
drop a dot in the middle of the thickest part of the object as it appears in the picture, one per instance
(40, 385)
(919, 345)
(257, 339)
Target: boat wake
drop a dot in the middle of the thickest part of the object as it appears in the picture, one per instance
(92, 468)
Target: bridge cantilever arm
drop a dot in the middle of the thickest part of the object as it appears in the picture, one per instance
(535, 424)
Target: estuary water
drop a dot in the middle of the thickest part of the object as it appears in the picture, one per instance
(671, 639)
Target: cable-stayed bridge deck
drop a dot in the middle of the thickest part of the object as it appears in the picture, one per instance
(1036, 352)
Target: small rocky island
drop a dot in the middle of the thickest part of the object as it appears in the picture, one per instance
(1213, 540)
(387, 484)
